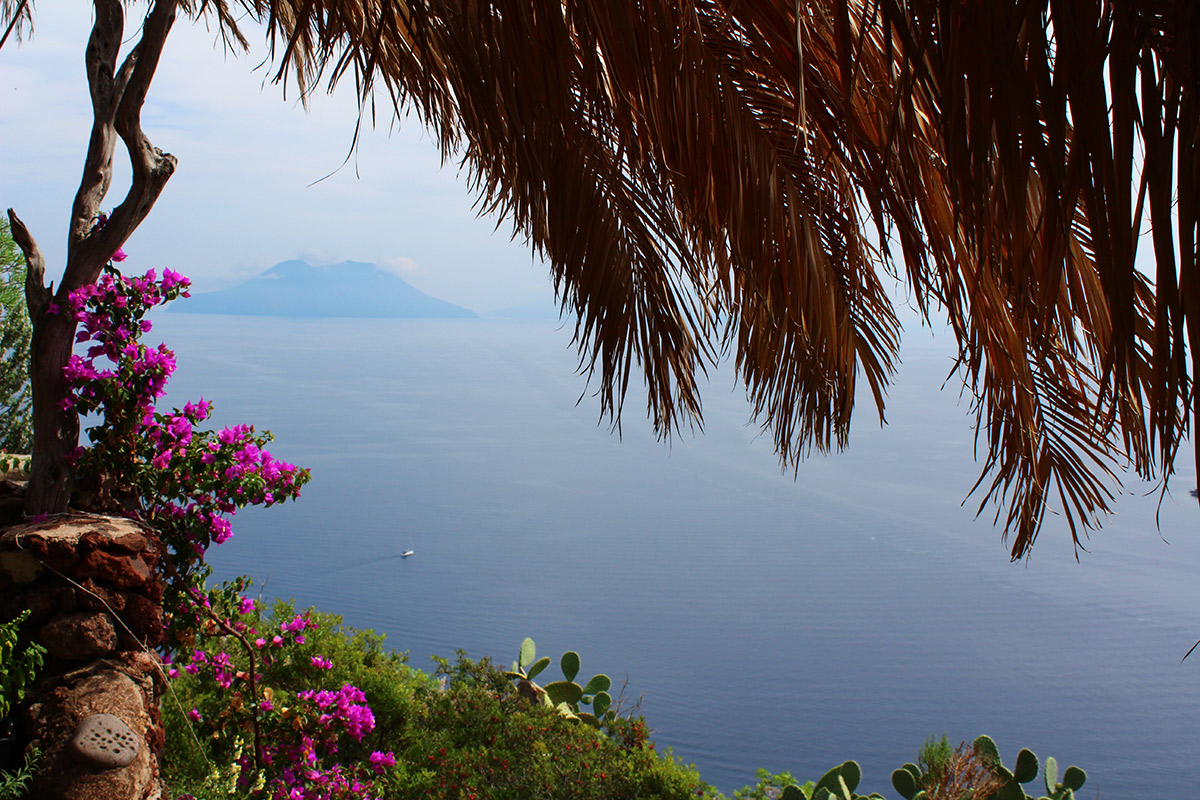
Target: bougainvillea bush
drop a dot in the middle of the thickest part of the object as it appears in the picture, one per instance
(300, 688)
(155, 466)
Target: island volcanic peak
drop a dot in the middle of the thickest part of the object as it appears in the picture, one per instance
(298, 289)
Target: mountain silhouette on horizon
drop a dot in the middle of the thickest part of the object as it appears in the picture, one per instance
(298, 289)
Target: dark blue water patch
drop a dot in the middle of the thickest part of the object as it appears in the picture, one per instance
(766, 620)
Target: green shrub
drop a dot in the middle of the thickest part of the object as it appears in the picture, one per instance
(462, 733)
(935, 754)
(770, 787)
(19, 663)
(14, 785)
(483, 740)
(20, 660)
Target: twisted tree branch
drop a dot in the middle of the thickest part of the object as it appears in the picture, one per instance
(118, 95)
(36, 294)
(117, 99)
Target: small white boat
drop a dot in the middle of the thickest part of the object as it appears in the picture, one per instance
(406, 554)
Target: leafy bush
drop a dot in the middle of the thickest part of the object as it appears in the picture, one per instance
(20, 662)
(935, 754)
(16, 332)
(481, 739)
(463, 732)
(14, 785)
(770, 787)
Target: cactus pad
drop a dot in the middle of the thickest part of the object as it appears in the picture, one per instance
(851, 774)
(601, 703)
(598, 683)
(1026, 768)
(563, 692)
(904, 783)
(570, 665)
(538, 666)
(833, 783)
(1051, 775)
(987, 750)
(528, 652)
(1074, 778)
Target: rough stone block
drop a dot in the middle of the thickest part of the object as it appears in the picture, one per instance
(144, 618)
(79, 636)
(47, 599)
(124, 571)
(22, 567)
(98, 597)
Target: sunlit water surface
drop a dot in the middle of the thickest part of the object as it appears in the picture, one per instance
(767, 621)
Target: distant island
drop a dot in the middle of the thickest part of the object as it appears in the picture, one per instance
(298, 289)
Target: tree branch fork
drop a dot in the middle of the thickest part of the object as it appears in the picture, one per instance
(118, 95)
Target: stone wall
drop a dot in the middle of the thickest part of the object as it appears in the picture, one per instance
(95, 602)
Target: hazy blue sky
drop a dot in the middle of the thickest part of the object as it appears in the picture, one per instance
(240, 200)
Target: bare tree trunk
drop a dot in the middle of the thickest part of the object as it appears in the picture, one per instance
(117, 99)
(55, 429)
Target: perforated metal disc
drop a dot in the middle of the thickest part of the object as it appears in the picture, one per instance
(105, 741)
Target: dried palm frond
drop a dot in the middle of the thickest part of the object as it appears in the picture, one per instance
(700, 176)
(16, 16)
(1076, 358)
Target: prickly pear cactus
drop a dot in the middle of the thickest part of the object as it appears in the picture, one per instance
(1026, 768)
(905, 781)
(911, 783)
(838, 783)
(566, 695)
(569, 664)
(1025, 771)
(793, 792)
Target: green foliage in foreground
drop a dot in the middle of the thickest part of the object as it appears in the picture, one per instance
(463, 732)
(16, 431)
(13, 786)
(19, 663)
(976, 772)
(466, 732)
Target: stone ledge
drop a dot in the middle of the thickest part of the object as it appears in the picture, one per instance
(117, 550)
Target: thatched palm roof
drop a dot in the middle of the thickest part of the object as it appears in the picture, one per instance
(707, 177)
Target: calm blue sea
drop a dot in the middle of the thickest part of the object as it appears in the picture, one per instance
(764, 620)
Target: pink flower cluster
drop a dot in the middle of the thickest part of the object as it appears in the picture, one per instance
(347, 706)
(305, 776)
(299, 752)
(190, 481)
(109, 313)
